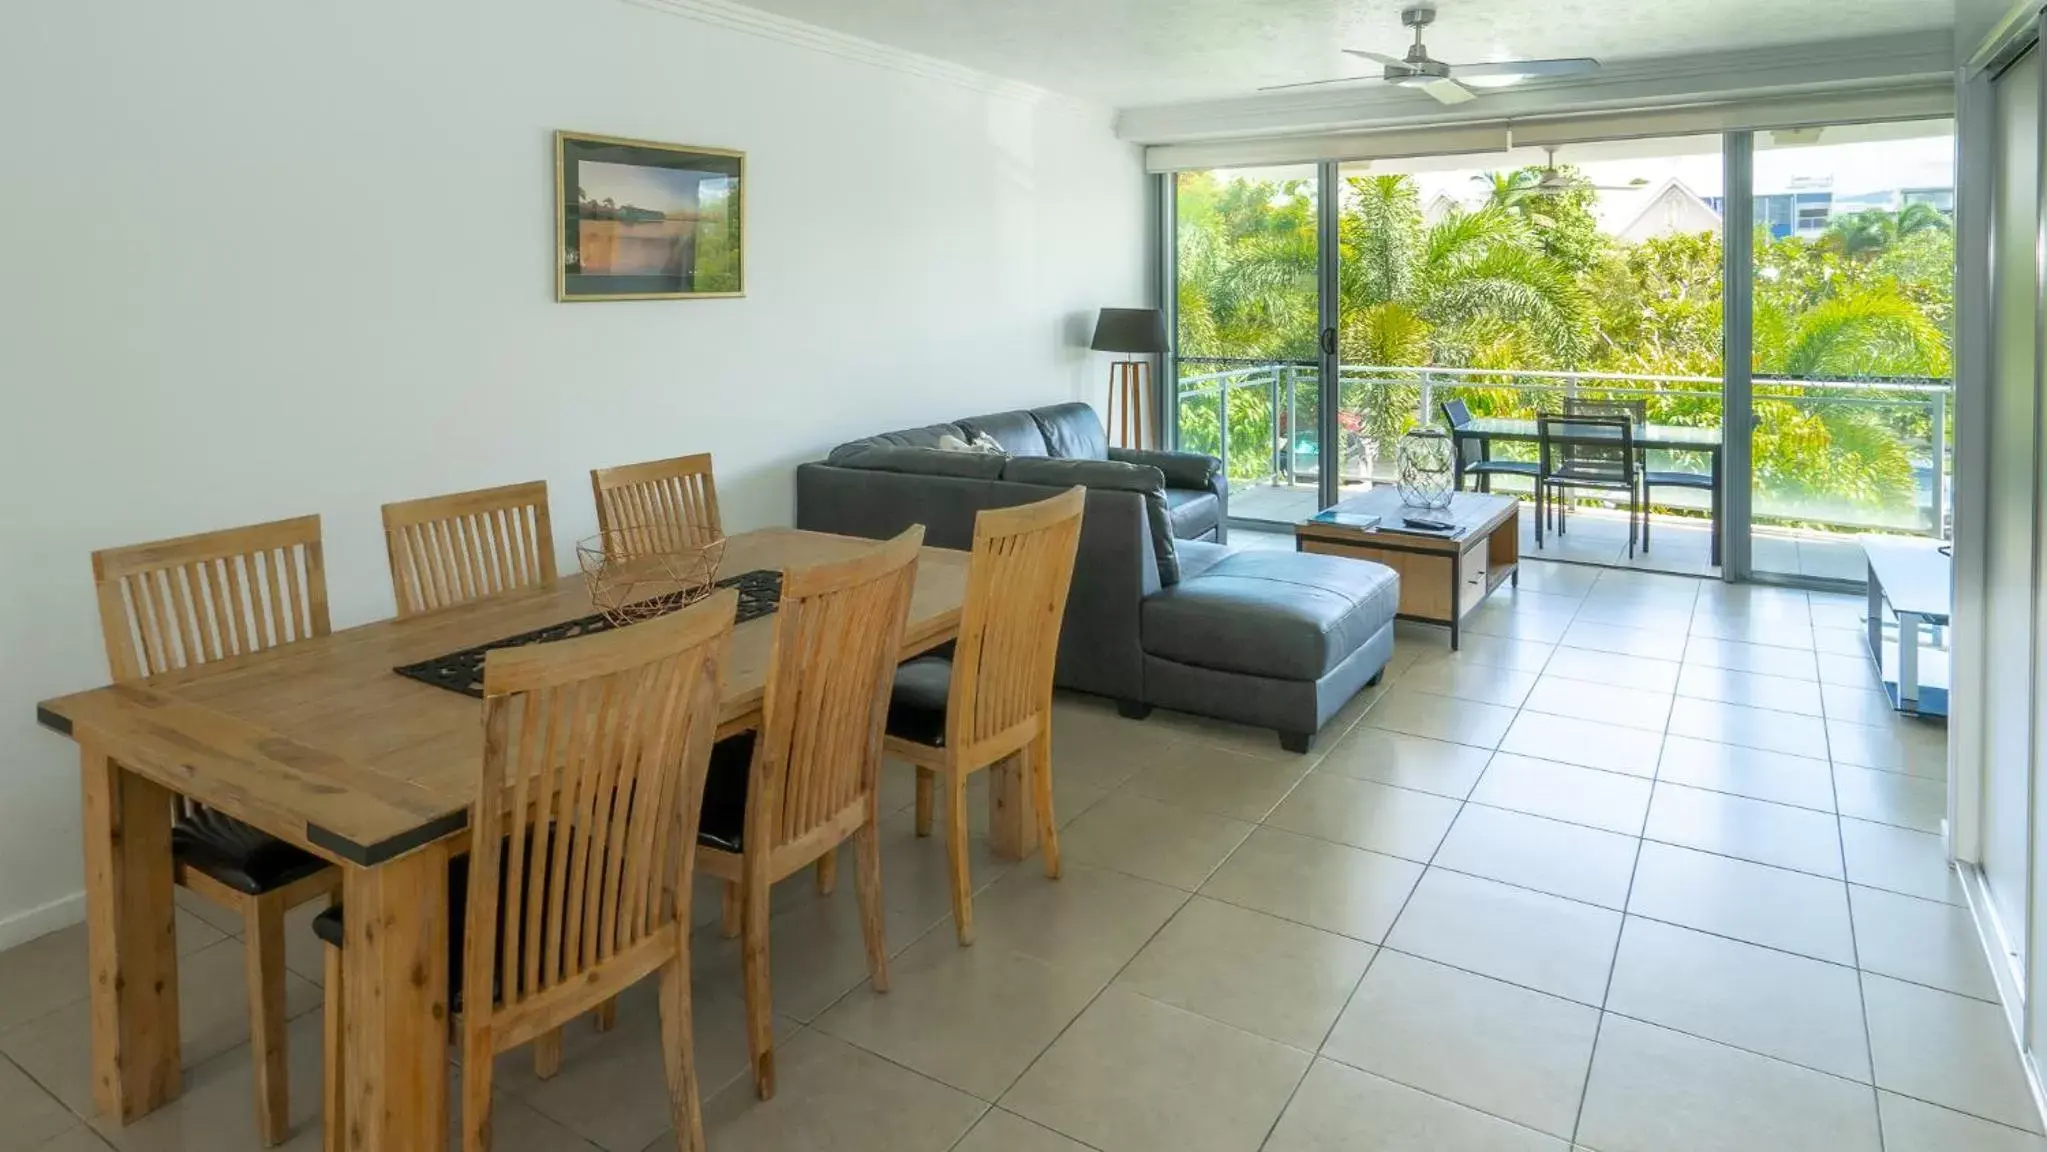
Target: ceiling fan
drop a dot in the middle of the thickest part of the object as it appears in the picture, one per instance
(1450, 83)
(1556, 183)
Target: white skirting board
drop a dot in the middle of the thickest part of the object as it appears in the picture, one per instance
(2009, 994)
(25, 926)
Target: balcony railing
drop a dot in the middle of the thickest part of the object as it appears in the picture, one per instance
(1828, 454)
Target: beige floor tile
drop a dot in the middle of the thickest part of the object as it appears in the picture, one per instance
(1773, 907)
(1216, 780)
(1924, 941)
(1651, 615)
(1774, 1003)
(1151, 839)
(1756, 830)
(1090, 919)
(1857, 705)
(1384, 757)
(1613, 668)
(1654, 1090)
(1917, 747)
(1499, 651)
(1604, 703)
(1001, 1131)
(1751, 689)
(815, 949)
(1499, 1048)
(1528, 938)
(1281, 980)
(1396, 821)
(1553, 579)
(1916, 1126)
(1587, 743)
(49, 971)
(973, 1018)
(1340, 1109)
(1239, 738)
(1567, 860)
(1749, 727)
(216, 1109)
(1898, 860)
(1906, 801)
(1500, 618)
(1774, 776)
(1440, 718)
(77, 1139)
(1091, 743)
(1330, 886)
(819, 1083)
(1948, 1050)
(1133, 1074)
(1466, 681)
(29, 1116)
(1857, 671)
(1768, 631)
(1606, 800)
(213, 1016)
(1653, 644)
(1738, 656)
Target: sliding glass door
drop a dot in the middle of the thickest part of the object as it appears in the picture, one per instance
(1247, 261)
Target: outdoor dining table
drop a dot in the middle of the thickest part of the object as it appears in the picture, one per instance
(322, 744)
(1485, 430)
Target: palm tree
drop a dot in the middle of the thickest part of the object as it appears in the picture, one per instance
(1922, 217)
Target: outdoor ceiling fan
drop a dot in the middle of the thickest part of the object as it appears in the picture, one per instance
(1556, 183)
(1450, 83)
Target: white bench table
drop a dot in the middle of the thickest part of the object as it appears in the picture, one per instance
(1913, 581)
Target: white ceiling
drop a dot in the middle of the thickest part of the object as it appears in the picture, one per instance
(1137, 52)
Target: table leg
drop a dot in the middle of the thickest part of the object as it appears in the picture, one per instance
(1908, 661)
(1719, 530)
(1873, 626)
(1012, 829)
(396, 988)
(131, 932)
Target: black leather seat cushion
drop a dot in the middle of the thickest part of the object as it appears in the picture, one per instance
(916, 707)
(722, 824)
(1285, 615)
(1195, 513)
(1678, 480)
(243, 858)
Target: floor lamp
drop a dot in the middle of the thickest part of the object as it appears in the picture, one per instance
(1134, 332)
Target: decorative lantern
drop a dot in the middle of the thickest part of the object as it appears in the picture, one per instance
(1427, 464)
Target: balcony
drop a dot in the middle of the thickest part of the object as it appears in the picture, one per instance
(1833, 459)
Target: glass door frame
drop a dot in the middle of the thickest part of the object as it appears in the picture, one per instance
(1329, 321)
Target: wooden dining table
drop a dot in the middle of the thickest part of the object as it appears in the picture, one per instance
(321, 744)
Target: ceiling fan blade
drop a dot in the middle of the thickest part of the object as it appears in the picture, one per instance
(1449, 92)
(1319, 83)
(1505, 72)
(1376, 57)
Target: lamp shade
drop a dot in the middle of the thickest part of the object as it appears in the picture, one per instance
(1130, 330)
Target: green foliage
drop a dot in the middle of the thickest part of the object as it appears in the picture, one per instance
(1527, 281)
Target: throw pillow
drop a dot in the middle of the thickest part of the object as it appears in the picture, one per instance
(975, 442)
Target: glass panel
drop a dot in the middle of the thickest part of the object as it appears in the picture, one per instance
(1246, 258)
(1853, 363)
(1530, 282)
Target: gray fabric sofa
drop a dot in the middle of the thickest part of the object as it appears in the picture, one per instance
(1161, 612)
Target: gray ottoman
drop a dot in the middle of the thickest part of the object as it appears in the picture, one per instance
(1277, 639)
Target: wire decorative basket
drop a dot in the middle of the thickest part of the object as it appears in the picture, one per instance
(634, 574)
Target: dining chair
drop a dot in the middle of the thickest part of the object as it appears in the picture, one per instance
(786, 796)
(1586, 452)
(448, 550)
(992, 698)
(658, 506)
(177, 603)
(466, 546)
(581, 864)
(1469, 463)
(1636, 411)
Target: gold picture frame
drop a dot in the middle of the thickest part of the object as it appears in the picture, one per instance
(643, 220)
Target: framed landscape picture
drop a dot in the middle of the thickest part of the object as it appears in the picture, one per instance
(636, 220)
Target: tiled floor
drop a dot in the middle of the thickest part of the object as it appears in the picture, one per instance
(1648, 867)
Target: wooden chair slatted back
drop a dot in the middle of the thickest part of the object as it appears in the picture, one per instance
(1017, 588)
(175, 603)
(448, 550)
(584, 828)
(659, 506)
(838, 637)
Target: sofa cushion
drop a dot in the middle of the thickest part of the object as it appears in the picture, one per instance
(1017, 432)
(925, 437)
(1108, 474)
(1198, 556)
(1182, 469)
(1285, 615)
(924, 461)
(1073, 431)
(1195, 512)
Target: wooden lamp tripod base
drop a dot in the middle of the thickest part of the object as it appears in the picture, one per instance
(1129, 410)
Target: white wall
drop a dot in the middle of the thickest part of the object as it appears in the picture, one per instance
(271, 258)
